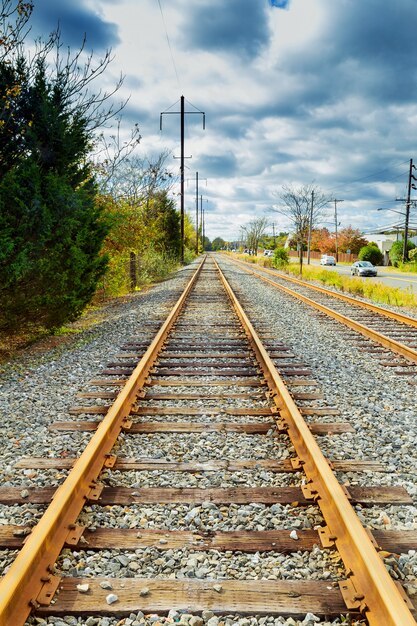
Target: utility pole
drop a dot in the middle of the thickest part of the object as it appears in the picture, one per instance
(310, 227)
(336, 225)
(273, 231)
(202, 225)
(182, 113)
(407, 201)
(196, 210)
(196, 213)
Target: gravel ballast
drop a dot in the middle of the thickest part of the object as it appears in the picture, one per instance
(380, 406)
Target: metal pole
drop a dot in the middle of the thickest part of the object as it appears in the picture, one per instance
(182, 180)
(310, 226)
(196, 212)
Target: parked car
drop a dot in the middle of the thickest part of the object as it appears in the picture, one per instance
(327, 260)
(268, 253)
(363, 268)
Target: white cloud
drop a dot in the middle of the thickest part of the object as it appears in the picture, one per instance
(317, 95)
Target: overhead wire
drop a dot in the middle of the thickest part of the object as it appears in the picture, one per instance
(169, 44)
(376, 182)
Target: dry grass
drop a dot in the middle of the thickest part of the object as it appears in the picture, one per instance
(374, 291)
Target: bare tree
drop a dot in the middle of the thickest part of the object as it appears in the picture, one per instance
(254, 231)
(135, 178)
(14, 17)
(304, 207)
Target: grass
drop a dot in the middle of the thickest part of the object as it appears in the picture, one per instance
(374, 291)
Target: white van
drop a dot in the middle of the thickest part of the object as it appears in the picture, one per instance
(327, 260)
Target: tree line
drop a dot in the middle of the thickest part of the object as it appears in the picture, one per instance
(75, 203)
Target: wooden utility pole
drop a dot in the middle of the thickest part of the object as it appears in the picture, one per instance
(407, 210)
(335, 226)
(310, 227)
(196, 212)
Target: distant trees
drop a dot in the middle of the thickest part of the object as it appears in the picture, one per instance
(323, 241)
(254, 231)
(304, 207)
(207, 246)
(350, 239)
(218, 244)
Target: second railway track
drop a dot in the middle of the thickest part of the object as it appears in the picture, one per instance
(393, 331)
(228, 505)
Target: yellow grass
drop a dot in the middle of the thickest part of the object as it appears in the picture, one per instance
(375, 291)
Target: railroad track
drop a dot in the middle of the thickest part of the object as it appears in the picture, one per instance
(223, 433)
(394, 332)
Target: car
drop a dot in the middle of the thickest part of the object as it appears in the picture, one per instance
(363, 268)
(327, 260)
(268, 253)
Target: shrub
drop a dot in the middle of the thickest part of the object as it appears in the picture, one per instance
(396, 252)
(281, 258)
(372, 254)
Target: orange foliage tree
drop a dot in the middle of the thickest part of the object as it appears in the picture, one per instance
(350, 239)
(323, 241)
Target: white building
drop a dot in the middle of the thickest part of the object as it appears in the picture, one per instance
(384, 238)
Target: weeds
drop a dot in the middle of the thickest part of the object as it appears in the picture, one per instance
(375, 291)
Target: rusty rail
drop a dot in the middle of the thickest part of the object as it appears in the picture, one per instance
(391, 344)
(369, 588)
(399, 317)
(30, 580)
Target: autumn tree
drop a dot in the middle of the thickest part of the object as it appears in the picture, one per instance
(350, 239)
(323, 241)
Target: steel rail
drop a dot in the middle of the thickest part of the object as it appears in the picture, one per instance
(391, 344)
(30, 580)
(398, 317)
(369, 588)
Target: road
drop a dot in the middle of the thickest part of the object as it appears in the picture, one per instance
(389, 278)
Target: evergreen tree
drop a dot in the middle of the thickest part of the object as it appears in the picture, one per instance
(51, 225)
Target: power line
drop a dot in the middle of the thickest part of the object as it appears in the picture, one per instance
(169, 43)
(376, 182)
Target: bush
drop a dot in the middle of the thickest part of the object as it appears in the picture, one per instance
(372, 254)
(396, 252)
(281, 258)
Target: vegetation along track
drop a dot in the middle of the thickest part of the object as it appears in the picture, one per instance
(206, 403)
(394, 331)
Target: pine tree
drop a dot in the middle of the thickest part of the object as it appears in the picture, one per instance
(51, 225)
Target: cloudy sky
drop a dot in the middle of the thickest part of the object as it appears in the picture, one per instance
(324, 91)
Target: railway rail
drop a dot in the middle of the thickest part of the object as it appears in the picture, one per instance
(395, 332)
(205, 378)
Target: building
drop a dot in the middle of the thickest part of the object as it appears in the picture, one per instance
(384, 237)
